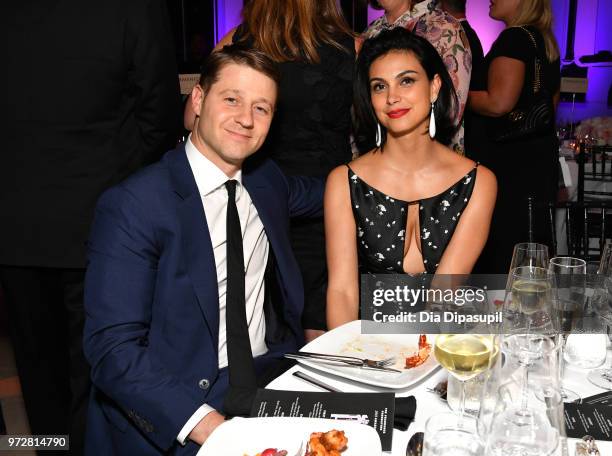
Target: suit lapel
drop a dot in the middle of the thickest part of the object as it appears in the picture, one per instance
(264, 196)
(196, 244)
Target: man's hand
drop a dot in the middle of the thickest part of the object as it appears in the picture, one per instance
(205, 427)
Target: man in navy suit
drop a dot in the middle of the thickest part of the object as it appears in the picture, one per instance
(156, 290)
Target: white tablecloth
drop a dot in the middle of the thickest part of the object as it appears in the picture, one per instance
(427, 403)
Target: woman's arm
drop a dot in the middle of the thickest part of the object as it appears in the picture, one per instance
(472, 231)
(341, 246)
(504, 84)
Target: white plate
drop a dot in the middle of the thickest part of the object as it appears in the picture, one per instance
(348, 340)
(249, 436)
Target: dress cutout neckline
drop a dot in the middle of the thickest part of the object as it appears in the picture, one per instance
(382, 224)
(418, 200)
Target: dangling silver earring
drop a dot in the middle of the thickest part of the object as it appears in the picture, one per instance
(432, 123)
(378, 135)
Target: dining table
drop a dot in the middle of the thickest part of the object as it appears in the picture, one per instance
(428, 402)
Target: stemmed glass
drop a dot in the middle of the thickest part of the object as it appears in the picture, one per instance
(465, 356)
(569, 301)
(602, 305)
(529, 254)
(469, 353)
(530, 326)
(533, 429)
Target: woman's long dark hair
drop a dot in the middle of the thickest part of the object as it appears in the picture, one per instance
(399, 39)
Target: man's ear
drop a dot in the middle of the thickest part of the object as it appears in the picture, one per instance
(434, 88)
(197, 99)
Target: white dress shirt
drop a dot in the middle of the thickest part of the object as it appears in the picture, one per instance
(210, 181)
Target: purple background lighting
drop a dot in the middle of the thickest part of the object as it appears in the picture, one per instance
(592, 35)
(228, 16)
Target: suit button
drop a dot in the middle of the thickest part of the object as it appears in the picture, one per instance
(204, 383)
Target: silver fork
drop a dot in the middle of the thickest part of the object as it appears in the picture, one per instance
(381, 363)
(353, 360)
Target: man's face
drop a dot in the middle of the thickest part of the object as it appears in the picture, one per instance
(234, 116)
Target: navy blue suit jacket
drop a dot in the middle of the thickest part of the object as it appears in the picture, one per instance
(152, 306)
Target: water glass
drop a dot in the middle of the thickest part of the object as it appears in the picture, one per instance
(448, 434)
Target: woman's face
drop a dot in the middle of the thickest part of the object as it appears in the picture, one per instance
(401, 93)
(503, 10)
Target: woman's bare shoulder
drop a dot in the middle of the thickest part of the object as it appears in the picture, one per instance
(485, 178)
(337, 177)
(455, 163)
(363, 161)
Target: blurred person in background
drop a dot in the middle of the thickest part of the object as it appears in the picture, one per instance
(525, 166)
(427, 19)
(473, 123)
(93, 94)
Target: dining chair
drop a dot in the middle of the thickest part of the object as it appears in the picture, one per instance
(588, 225)
(594, 172)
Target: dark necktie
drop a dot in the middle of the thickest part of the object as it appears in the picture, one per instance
(241, 369)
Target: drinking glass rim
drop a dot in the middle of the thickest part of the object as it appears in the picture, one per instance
(574, 262)
(437, 417)
(535, 246)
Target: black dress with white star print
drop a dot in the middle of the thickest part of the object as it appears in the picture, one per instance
(381, 224)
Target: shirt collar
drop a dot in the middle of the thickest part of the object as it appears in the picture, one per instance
(207, 175)
(417, 10)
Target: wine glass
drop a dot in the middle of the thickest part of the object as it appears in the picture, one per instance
(602, 306)
(569, 300)
(533, 429)
(530, 326)
(528, 303)
(471, 352)
(529, 254)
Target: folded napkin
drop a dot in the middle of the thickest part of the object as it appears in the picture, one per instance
(405, 409)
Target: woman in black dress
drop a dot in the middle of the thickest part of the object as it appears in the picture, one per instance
(526, 167)
(310, 133)
(410, 205)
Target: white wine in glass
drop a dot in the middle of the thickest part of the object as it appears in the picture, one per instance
(530, 296)
(465, 355)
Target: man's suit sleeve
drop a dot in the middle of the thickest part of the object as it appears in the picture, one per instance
(305, 196)
(153, 76)
(119, 295)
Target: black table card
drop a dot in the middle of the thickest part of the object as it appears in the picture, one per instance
(588, 419)
(374, 409)
(601, 399)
